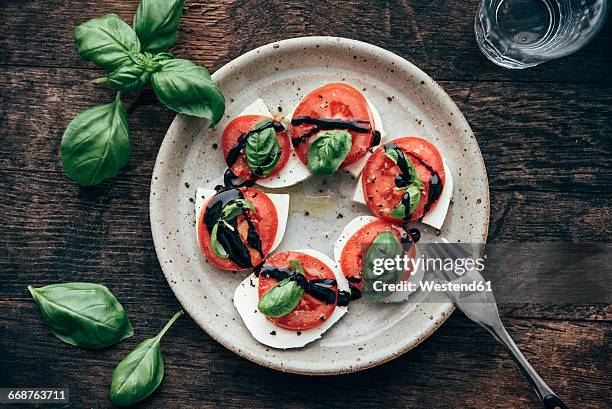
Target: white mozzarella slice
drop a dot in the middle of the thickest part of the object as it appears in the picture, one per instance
(435, 218)
(356, 167)
(246, 299)
(281, 203)
(349, 230)
(257, 107)
(294, 171)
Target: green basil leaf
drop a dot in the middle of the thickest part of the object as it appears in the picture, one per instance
(262, 150)
(141, 371)
(107, 41)
(96, 144)
(327, 152)
(214, 243)
(281, 299)
(415, 198)
(296, 266)
(385, 246)
(83, 314)
(392, 154)
(129, 78)
(188, 89)
(414, 176)
(236, 208)
(156, 22)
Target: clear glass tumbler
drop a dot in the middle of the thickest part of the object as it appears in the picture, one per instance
(524, 33)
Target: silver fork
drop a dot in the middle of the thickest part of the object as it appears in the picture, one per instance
(481, 308)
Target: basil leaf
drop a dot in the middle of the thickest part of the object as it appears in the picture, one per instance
(412, 172)
(327, 152)
(129, 78)
(415, 198)
(156, 22)
(188, 89)
(236, 208)
(96, 144)
(214, 243)
(141, 371)
(385, 246)
(83, 314)
(262, 150)
(296, 266)
(392, 154)
(281, 299)
(107, 41)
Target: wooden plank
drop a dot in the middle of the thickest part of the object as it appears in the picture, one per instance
(458, 366)
(53, 231)
(524, 149)
(439, 39)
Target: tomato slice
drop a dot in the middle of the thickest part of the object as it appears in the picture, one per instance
(240, 126)
(379, 178)
(354, 252)
(334, 101)
(264, 220)
(310, 312)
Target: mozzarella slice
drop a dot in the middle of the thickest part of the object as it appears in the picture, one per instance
(246, 299)
(356, 167)
(435, 218)
(294, 170)
(281, 203)
(349, 230)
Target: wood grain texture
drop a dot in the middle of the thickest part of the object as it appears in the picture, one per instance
(544, 134)
(460, 366)
(544, 137)
(438, 38)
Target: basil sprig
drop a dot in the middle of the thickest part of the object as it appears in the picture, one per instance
(385, 246)
(141, 371)
(412, 188)
(229, 212)
(284, 296)
(262, 149)
(83, 314)
(327, 152)
(134, 58)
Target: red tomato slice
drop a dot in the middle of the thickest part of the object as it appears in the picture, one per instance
(310, 312)
(265, 220)
(335, 101)
(380, 171)
(354, 252)
(238, 127)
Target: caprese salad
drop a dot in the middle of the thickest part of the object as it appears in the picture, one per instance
(292, 297)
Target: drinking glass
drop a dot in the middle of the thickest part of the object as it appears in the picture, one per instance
(524, 33)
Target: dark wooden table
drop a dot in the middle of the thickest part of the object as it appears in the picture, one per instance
(545, 134)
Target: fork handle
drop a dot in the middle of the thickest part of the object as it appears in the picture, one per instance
(546, 395)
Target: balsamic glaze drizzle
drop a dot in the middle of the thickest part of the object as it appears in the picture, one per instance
(236, 149)
(328, 124)
(403, 178)
(323, 289)
(230, 239)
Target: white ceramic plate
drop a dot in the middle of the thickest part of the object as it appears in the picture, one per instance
(410, 103)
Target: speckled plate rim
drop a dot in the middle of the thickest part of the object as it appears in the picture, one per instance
(159, 234)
